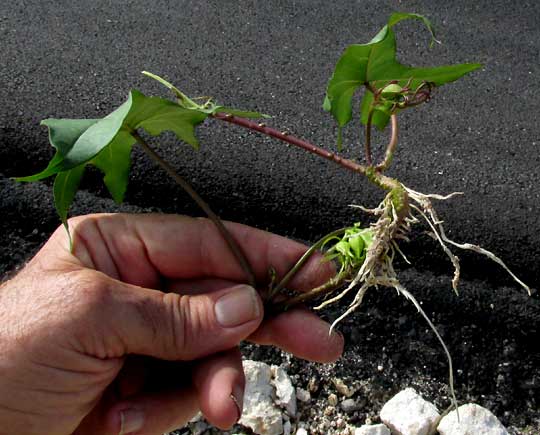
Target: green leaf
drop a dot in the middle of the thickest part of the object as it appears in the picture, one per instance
(375, 63)
(156, 115)
(106, 143)
(115, 162)
(65, 186)
(63, 133)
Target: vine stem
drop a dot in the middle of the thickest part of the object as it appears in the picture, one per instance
(227, 236)
(367, 144)
(313, 248)
(327, 287)
(286, 137)
(391, 147)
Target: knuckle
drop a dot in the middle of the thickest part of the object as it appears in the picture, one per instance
(89, 290)
(189, 319)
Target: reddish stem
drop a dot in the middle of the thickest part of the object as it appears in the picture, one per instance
(286, 137)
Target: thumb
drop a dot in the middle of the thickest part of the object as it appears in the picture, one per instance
(177, 327)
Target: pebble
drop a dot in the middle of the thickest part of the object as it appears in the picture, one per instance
(259, 413)
(407, 413)
(342, 388)
(349, 405)
(301, 431)
(473, 419)
(332, 399)
(303, 395)
(285, 392)
(376, 429)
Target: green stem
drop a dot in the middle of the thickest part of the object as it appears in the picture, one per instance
(290, 274)
(367, 145)
(329, 286)
(391, 147)
(227, 236)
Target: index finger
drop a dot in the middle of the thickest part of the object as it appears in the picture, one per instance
(141, 249)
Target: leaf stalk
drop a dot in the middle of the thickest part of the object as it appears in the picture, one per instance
(227, 236)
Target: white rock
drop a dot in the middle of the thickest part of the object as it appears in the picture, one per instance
(303, 395)
(286, 395)
(199, 428)
(287, 428)
(301, 431)
(407, 413)
(473, 419)
(376, 429)
(259, 413)
(349, 405)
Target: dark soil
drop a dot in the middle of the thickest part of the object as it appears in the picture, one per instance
(480, 136)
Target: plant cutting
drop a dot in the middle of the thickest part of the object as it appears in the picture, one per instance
(364, 254)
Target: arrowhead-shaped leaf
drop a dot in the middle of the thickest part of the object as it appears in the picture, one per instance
(65, 186)
(375, 63)
(106, 143)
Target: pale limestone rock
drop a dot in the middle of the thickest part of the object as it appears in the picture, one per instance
(259, 413)
(473, 420)
(303, 395)
(375, 429)
(407, 413)
(349, 405)
(287, 428)
(286, 395)
(301, 431)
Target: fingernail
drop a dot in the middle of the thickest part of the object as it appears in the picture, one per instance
(131, 420)
(239, 305)
(237, 396)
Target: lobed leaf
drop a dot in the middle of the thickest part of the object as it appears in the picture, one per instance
(375, 63)
(106, 143)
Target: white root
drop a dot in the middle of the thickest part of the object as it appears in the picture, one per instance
(423, 201)
(378, 270)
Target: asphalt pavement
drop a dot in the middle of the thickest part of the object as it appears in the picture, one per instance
(480, 136)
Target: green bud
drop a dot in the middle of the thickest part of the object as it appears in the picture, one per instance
(391, 91)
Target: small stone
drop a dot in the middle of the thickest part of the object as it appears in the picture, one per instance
(340, 423)
(260, 413)
(473, 419)
(286, 395)
(287, 428)
(199, 428)
(342, 388)
(301, 431)
(329, 410)
(376, 429)
(332, 399)
(407, 413)
(350, 405)
(303, 395)
(313, 385)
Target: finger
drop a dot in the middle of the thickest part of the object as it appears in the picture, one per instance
(286, 331)
(127, 319)
(301, 333)
(198, 286)
(139, 249)
(152, 414)
(219, 380)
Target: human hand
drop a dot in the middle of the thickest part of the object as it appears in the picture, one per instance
(137, 329)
